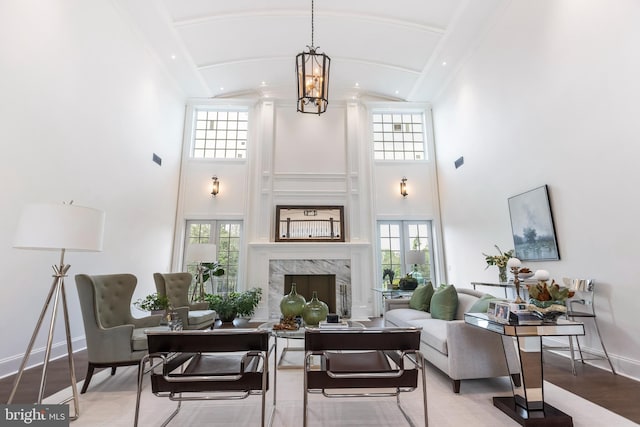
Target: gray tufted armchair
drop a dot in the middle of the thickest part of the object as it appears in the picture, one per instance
(176, 287)
(114, 337)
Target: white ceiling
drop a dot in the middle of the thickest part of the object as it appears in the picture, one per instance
(389, 49)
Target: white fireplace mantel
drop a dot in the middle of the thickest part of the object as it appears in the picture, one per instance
(351, 254)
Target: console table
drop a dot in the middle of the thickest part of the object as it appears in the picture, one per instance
(527, 406)
(505, 286)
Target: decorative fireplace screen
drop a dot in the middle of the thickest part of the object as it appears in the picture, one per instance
(309, 223)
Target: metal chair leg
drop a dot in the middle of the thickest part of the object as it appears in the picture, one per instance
(572, 354)
(606, 355)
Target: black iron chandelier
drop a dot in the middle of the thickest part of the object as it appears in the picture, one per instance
(312, 69)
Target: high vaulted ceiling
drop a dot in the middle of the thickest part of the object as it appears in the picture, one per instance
(388, 49)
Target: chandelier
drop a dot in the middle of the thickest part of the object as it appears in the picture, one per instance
(312, 70)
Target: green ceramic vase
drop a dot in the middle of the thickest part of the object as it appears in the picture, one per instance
(292, 304)
(315, 311)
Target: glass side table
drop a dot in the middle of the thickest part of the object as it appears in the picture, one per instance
(527, 406)
(285, 361)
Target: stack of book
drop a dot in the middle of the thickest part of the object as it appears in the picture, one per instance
(327, 325)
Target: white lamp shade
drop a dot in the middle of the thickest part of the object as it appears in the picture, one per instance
(53, 227)
(201, 252)
(415, 257)
(541, 275)
(513, 262)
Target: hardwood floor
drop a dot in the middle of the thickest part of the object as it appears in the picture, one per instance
(614, 392)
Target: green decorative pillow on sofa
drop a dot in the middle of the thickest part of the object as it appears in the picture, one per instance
(421, 297)
(444, 303)
(482, 305)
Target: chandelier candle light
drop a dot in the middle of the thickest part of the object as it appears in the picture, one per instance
(312, 69)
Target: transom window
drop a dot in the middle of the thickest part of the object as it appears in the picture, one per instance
(398, 136)
(220, 134)
(226, 235)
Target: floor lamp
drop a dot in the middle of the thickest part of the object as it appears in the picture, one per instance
(199, 253)
(64, 227)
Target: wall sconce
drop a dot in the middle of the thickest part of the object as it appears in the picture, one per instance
(215, 186)
(403, 187)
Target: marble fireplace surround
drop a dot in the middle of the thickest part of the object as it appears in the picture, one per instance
(278, 268)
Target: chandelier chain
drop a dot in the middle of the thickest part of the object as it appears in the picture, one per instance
(312, 44)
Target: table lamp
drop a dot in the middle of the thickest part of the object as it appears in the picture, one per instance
(64, 227)
(199, 253)
(415, 257)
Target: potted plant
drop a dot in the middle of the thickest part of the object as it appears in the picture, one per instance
(499, 261)
(230, 305)
(154, 303)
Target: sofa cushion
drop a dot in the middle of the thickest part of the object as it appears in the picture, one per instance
(421, 297)
(402, 316)
(444, 303)
(481, 305)
(434, 333)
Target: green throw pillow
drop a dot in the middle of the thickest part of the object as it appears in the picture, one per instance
(482, 305)
(444, 303)
(421, 297)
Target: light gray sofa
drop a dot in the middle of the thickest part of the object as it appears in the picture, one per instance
(459, 350)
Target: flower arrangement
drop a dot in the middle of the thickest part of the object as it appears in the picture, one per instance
(388, 273)
(499, 260)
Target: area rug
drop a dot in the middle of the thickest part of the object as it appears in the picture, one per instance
(110, 401)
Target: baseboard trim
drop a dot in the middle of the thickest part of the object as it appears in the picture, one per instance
(10, 365)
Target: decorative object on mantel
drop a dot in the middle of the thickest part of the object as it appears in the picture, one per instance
(500, 261)
(309, 223)
(314, 311)
(292, 304)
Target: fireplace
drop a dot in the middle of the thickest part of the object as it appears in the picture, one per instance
(306, 284)
(338, 268)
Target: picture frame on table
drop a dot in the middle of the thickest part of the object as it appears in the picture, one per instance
(491, 309)
(532, 227)
(502, 312)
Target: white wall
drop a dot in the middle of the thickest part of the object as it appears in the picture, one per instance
(549, 97)
(301, 159)
(84, 107)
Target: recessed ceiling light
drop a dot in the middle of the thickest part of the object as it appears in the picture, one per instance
(444, 63)
(173, 57)
(357, 84)
(221, 88)
(397, 92)
(263, 83)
